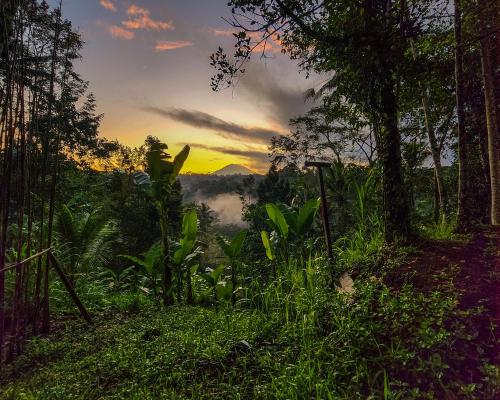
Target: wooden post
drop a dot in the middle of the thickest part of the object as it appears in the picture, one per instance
(69, 287)
(324, 206)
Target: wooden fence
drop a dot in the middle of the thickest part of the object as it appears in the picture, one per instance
(27, 309)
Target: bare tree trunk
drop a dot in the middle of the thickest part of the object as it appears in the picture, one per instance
(490, 68)
(434, 147)
(464, 219)
(396, 209)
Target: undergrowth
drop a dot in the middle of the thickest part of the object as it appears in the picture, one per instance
(292, 339)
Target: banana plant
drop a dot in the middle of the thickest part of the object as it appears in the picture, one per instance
(150, 263)
(187, 253)
(232, 250)
(157, 183)
(286, 223)
(270, 244)
(212, 277)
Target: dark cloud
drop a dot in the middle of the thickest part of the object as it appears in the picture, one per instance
(258, 157)
(225, 129)
(265, 85)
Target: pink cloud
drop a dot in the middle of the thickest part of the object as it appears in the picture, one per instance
(223, 32)
(120, 33)
(166, 45)
(140, 18)
(272, 45)
(108, 5)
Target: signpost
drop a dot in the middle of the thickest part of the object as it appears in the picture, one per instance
(324, 206)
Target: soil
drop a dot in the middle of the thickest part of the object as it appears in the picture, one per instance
(476, 265)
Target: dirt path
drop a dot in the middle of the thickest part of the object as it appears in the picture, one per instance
(476, 269)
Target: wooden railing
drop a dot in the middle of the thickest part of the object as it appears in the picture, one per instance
(30, 315)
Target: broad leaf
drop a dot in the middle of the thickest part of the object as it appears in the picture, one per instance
(276, 216)
(148, 267)
(217, 272)
(224, 290)
(179, 161)
(225, 246)
(182, 252)
(306, 215)
(158, 164)
(267, 245)
(237, 243)
(190, 225)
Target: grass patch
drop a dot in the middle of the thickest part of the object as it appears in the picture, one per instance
(292, 339)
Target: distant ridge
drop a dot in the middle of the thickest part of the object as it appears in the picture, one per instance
(234, 169)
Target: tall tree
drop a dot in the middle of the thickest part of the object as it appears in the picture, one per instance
(464, 219)
(488, 31)
(363, 45)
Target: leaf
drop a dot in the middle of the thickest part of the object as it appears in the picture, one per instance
(194, 268)
(190, 225)
(267, 245)
(237, 243)
(179, 161)
(138, 261)
(179, 255)
(225, 246)
(224, 290)
(217, 272)
(306, 215)
(158, 164)
(141, 178)
(290, 215)
(276, 216)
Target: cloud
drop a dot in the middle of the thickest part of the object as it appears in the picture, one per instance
(165, 45)
(140, 18)
(265, 86)
(108, 5)
(230, 130)
(228, 208)
(120, 33)
(258, 157)
(271, 45)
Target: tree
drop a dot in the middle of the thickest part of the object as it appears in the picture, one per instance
(84, 240)
(160, 176)
(331, 131)
(488, 30)
(363, 46)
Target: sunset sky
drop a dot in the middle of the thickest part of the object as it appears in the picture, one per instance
(148, 65)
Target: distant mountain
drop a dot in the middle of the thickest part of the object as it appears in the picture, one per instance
(233, 169)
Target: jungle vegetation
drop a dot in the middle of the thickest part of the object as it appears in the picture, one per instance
(408, 124)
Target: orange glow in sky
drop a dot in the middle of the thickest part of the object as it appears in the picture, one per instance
(148, 64)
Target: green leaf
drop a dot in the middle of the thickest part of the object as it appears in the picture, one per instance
(184, 253)
(148, 267)
(190, 225)
(237, 243)
(276, 216)
(217, 272)
(179, 161)
(267, 245)
(224, 290)
(306, 215)
(290, 216)
(158, 164)
(225, 246)
(194, 268)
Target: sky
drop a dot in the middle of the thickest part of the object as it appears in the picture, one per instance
(148, 65)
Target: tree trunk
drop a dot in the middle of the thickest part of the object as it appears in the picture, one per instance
(490, 68)
(436, 158)
(168, 297)
(464, 219)
(435, 149)
(396, 209)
